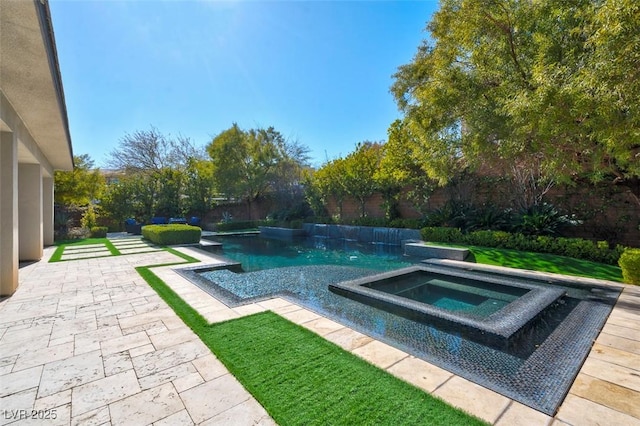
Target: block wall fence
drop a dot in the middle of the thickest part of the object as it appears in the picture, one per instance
(608, 213)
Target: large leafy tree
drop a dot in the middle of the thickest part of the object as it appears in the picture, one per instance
(247, 164)
(401, 167)
(360, 168)
(79, 186)
(509, 80)
(329, 182)
(198, 186)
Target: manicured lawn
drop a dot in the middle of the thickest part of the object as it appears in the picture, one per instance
(546, 263)
(300, 378)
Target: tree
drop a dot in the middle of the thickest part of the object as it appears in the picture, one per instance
(402, 167)
(161, 175)
(329, 182)
(123, 200)
(249, 164)
(198, 186)
(79, 186)
(149, 151)
(360, 168)
(510, 79)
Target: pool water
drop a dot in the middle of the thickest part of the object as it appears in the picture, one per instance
(456, 294)
(256, 254)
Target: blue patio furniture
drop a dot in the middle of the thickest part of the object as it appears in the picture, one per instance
(132, 226)
(158, 220)
(194, 221)
(181, 220)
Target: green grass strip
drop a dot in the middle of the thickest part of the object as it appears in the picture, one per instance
(61, 245)
(543, 262)
(112, 249)
(80, 242)
(184, 256)
(300, 378)
(57, 255)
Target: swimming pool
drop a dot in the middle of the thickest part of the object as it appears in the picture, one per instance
(535, 367)
(256, 253)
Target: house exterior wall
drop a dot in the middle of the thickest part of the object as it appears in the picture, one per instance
(8, 213)
(34, 135)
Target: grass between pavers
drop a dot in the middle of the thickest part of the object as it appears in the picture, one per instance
(113, 250)
(301, 378)
(61, 245)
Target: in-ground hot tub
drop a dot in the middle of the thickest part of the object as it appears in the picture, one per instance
(486, 308)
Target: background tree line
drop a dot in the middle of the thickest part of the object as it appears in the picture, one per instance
(547, 93)
(155, 175)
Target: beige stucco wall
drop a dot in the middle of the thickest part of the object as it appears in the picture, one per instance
(35, 137)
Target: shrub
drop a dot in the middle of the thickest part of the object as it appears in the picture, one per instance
(89, 218)
(407, 223)
(542, 219)
(99, 231)
(242, 224)
(488, 217)
(442, 234)
(571, 247)
(171, 234)
(369, 221)
(630, 263)
(488, 238)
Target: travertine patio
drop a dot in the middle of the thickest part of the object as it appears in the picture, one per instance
(87, 341)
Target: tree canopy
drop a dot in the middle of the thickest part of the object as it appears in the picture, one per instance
(79, 186)
(149, 151)
(557, 80)
(248, 163)
(163, 176)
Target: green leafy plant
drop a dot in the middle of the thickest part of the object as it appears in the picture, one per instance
(89, 217)
(171, 234)
(577, 248)
(441, 234)
(243, 225)
(99, 232)
(542, 219)
(488, 217)
(630, 264)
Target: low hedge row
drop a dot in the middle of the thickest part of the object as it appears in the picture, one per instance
(242, 224)
(172, 234)
(99, 231)
(572, 247)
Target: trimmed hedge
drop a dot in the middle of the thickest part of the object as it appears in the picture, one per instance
(99, 232)
(172, 234)
(242, 224)
(577, 248)
(630, 264)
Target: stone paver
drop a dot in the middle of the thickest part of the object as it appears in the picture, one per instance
(473, 398)
(91, 340)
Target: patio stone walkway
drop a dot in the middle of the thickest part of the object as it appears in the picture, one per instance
(90, 341)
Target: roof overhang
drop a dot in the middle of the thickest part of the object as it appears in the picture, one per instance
(30, 79)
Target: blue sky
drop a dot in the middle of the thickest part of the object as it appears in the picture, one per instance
(319, 72)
